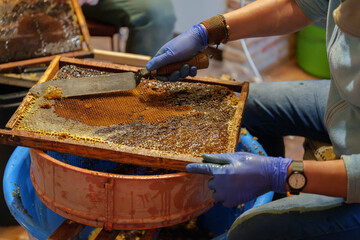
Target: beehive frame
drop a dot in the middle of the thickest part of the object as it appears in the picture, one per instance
(103, 151)
(87, 48)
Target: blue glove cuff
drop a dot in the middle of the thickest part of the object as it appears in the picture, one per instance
(203, 34)
(280, 174)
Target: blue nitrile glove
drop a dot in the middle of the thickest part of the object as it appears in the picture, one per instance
(241, 177)
(181, 48)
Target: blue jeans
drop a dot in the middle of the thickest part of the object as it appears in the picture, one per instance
(274, 110)
(150, 22)
(307, 216)
(277, 109)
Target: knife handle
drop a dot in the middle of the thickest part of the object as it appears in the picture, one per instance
(201, 61)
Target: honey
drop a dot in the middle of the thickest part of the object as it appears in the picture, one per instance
(52, 92)
(45, 105)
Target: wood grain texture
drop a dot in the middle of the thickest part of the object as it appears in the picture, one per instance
(7, 67)
(68, 230)
(121, 58)
(150, 234)
(101, 66)
(82, 23)
(201, 61)
(107, 235)
(233, 85)
(235, 135)
(98, 150)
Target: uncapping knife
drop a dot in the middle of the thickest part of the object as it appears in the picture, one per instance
(84, 86)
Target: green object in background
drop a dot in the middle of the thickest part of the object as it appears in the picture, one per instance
(311, 53)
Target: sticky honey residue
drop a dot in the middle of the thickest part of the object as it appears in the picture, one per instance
(52, 92)
(18, 203)
(144, 104)
(46, 105)
(63, 135)
(88, 105)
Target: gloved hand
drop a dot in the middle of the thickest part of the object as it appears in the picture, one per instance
(90, 2)
(183, 47)
(240, 177)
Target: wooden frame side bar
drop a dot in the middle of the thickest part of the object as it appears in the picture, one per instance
(7, 67)
(68, 230)
(121, 58)
(82, 23)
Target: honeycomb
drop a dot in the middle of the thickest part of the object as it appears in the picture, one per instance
(36, 28)
(175, 118)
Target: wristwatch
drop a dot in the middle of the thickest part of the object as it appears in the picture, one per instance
(297, 178)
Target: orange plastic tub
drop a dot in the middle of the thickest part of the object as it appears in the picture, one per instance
(114, 201)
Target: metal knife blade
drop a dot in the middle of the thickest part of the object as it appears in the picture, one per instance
(84, 86)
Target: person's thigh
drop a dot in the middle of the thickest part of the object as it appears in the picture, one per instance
(150, 22)
(277, 109)
(130, 13)
(113, 12)
(151, 26)
(307, 216)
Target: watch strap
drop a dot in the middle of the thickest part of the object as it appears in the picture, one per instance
(298, 165)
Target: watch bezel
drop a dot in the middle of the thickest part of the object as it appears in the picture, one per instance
(296, 190)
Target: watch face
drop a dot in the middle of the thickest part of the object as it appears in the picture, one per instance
(297, 180)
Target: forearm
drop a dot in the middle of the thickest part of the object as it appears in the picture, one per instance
(266, 18)
(325, 177)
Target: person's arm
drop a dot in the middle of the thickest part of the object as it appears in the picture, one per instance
(266, 18)
(324, 177)
(261, 18)
(240, 177)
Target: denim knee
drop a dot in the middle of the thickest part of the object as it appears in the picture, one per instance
(155, 14)
(306, 216)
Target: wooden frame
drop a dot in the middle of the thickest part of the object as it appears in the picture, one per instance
(69, 230)
(121, 58)
(102, 151)
(6, 67)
